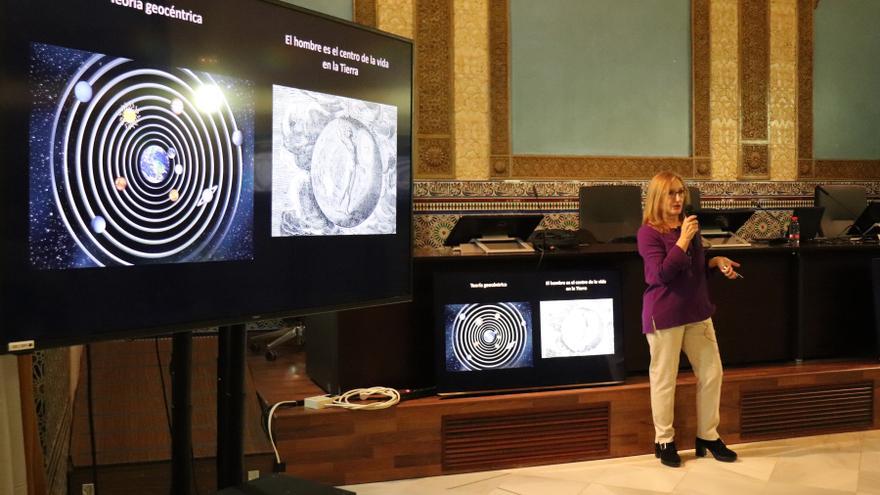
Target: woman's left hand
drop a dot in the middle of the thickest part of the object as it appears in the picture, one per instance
(725, 265)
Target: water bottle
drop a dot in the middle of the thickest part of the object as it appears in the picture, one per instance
(794, 232)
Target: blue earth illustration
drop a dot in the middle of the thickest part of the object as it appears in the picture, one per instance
(154, 164)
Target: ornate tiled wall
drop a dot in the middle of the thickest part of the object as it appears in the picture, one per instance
(724, 94)
(439, 204)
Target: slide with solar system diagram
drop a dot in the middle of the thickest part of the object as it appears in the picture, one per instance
(524, 331)
(174, 167)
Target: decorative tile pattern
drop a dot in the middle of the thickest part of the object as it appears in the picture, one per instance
(754, 67)
(597, 167)
(700, 61)
(471, 89)
(783, 90)
(499, 87)
(805, 86)
(434, 157)
(365, 12)
(431, 230)
(724, 89)
(847, 169)
(755, 161)
(434, 89)
(395, 16)
(766, 224)
(439, 204)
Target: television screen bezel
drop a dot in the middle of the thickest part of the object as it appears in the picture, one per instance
(540, 376)
(58, 339)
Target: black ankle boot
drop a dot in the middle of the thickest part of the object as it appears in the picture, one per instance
(667, 454)
(716, 447)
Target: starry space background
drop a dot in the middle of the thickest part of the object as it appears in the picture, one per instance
(451, 311)
(51, 244)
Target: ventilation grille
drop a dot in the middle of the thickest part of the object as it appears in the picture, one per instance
(774, 412)
(492, 441)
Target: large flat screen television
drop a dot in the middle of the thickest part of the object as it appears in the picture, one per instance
(174, 166)
(523, 331)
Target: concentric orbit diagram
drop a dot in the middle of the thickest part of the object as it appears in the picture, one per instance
(148, 165)
(488, 336)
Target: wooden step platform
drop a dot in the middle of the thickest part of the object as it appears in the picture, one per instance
(433, 436)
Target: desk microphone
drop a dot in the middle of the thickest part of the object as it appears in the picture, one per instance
(842, 205)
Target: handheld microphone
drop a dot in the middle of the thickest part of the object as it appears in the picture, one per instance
(688, 211)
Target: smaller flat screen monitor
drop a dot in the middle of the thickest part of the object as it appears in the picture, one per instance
(470, 227)
(809, 219)
(526, 331)
(868, 223)
(725, 220)
(610, 213)
(843, 203)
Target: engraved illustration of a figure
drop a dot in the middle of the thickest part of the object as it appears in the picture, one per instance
(348, 139)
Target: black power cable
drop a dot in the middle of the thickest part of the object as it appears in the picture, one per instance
(195, 484)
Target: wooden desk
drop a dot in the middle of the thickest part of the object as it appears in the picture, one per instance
(808, 302)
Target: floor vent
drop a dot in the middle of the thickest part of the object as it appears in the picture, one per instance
(524, 438)
(801, 410)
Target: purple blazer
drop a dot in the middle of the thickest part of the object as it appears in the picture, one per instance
(678, 291)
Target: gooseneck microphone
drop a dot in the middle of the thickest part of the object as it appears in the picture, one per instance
(843, 205)
(544, 232)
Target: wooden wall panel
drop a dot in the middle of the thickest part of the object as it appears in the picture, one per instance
(434, 144)
(754, 72)
(342, 447)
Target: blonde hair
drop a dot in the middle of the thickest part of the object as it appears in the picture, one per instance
(658, 190)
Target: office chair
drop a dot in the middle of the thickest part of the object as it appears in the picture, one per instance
(611, 213)
(288, 329)
(843, 204)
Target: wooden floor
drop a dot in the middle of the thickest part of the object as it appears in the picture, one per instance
(413, 439)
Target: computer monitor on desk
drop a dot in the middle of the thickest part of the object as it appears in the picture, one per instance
(490, 234)
(868, 223)
(718, 227)
(610, 213)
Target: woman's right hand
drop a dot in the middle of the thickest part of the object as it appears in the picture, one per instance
(689, 228)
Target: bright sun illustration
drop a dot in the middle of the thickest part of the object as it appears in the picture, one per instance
(128, 115)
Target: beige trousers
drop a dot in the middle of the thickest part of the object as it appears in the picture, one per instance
(697, 340)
